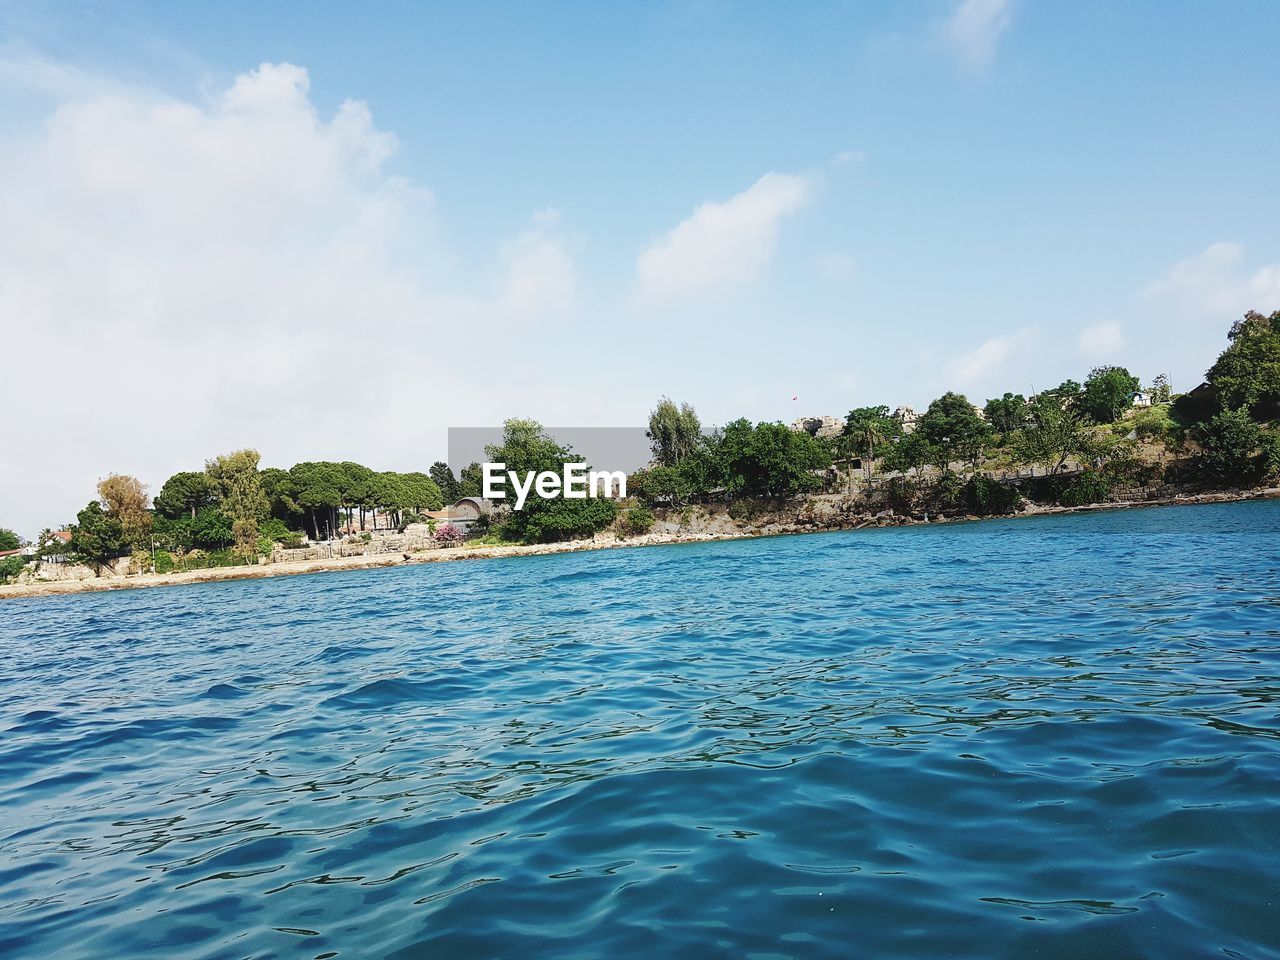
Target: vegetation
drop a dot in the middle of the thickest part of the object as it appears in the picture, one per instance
(449, 535)
(673, 431)
(1107, 393)
(636, 522)
(526, 448)
(1233, 448)
(1084, 441)
(1247, 374)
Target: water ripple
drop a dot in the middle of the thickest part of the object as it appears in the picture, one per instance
(1057, 738)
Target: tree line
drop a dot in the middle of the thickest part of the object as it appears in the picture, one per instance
(235, 508)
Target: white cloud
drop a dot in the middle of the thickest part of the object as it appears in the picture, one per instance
(973, 30)
(541, 275)
(722, 244)
(1100, 341)
(181, 278)
(1217, 284)
(978, 367)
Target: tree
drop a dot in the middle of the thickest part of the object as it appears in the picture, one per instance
(911, 452)
(240, 497)
(10, 567)
(673, 432)
(1229, 448)
(184, 494)
(1053, 436)
(768, 460)
(865, 427)
(954, 430)
(446, 481)
(281, 493)
(1067, 393)
(9, 540)
(660, 485)
(97, 537)
(1007, 413)
(1108, 392)
(316, 488)
(1160, 390)
(470, 481)
(125, 498)
(527, 447)
(1247, 374)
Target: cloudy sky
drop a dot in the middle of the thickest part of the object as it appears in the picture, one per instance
(332, 232)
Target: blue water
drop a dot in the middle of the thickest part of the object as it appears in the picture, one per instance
(1055, 737)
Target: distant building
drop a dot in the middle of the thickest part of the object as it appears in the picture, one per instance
(1140, 398)
(907, 417)
(823, 426)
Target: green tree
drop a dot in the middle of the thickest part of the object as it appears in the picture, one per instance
(1230, 445)
(669, 485)
(1160, 390)
(240, 497)
(1053, 436)
(97, 538)
(1007, 413)
(1247, 374)
(864, 429)
(317, 489)
(281, 493)
(954, 430)
(443, 476)
(9, 540)
(527, 447)
(768, 460)
(673, 432)
(210, 529)
(1108, 392)
(10, 567)
(911, 452)
(184, 494)
(470, 481)
(1067, 393)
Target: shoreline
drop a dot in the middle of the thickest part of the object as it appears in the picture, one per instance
(53, 588)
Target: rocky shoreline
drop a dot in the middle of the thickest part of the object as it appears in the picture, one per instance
(818, 515)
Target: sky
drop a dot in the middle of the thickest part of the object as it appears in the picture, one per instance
(331, 231)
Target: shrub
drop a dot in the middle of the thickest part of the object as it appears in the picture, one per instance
(1089, 487)
(1154, 423)
(164, 562)
(10, 567)
(745, 510)
(636, 522)
(900, 494)
(983, 496)
(1229, 445)
(449, 535)
(274, 529)
(202, 560)
(292, 540)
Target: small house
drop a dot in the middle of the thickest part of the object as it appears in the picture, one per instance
(1140, 398)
